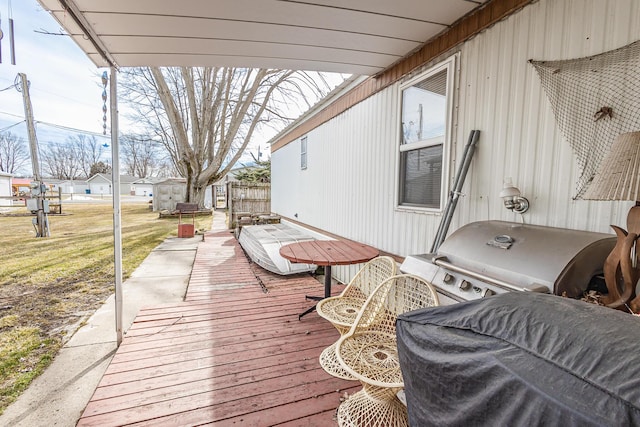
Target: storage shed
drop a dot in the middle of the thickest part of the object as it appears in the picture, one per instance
(167, 193)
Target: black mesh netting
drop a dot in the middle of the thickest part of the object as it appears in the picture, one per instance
(594, 99)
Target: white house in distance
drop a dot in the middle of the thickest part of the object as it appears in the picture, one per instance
(143, 186)
(73, 186)
(100, 183)
(350, 166)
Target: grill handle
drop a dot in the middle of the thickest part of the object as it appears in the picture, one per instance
(535, 287)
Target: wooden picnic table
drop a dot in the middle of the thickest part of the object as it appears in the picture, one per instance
(327, 253)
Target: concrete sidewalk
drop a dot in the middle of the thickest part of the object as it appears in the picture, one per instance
(59, 396)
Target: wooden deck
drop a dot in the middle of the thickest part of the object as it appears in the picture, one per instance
(231, 354)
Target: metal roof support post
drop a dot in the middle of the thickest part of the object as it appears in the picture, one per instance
(117, 226)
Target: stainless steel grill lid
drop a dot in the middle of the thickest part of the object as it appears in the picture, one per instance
(488, 257)
(560, 259)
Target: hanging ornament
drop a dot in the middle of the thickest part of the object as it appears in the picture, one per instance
(12, 46)
(105, 80)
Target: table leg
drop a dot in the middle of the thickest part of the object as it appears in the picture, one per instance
(327, 281)
(327, 291)
(309, 310)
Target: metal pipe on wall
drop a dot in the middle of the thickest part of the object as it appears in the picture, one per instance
(454, 195)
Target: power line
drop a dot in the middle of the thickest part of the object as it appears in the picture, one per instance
(8, 87)
(75, 100)
(13, 125)
(12, 115)
(83, 101)
(86, 132)
(67, 128)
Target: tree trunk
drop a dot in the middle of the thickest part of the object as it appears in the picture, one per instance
(196, 193)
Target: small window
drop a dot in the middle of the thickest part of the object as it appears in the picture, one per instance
(303, 153)
(425, 121)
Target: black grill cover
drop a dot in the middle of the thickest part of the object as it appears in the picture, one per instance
(521, 359)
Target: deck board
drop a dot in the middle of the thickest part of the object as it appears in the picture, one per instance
(233, 353)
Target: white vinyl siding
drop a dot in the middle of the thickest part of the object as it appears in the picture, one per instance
(353, 191)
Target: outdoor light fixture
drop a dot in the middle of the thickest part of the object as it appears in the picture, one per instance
(618, 178)
(512, 198)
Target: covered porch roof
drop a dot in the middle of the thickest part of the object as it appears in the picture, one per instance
(362, 37)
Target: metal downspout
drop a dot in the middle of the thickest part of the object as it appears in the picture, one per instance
(469, 149)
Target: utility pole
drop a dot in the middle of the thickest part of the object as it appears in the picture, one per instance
(37, 188)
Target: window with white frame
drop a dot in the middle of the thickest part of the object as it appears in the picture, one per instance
(303, 153)
(425, 113)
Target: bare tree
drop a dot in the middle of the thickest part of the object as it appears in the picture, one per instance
(139, 155)
(62, 162)
(206, 117)
(14, 154)
(166, 168)
(88, 151)
(76, 158)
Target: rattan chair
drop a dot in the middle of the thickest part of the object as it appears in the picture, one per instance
(343, 309)
(369, 352)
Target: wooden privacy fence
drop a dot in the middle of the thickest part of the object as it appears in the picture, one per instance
(247, 199)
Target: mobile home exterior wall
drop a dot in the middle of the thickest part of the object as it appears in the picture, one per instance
(349, 185)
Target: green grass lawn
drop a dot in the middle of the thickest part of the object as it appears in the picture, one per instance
(49, 286)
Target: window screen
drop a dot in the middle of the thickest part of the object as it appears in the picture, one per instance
(422, 177)
(424, 128)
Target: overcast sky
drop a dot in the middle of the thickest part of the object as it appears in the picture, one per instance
(65, 86)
